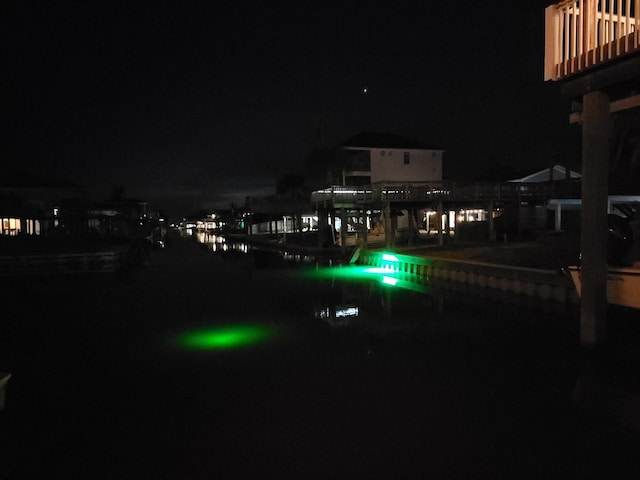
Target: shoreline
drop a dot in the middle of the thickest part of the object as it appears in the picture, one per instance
(551, 252)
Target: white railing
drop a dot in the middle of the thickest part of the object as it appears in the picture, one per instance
(582, 34)
(436, 191)
(340, 194)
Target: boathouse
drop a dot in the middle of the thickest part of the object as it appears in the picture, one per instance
(592, 47)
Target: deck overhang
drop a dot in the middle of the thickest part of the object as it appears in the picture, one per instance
(582, 35)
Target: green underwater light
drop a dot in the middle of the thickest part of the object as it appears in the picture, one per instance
(225, 337)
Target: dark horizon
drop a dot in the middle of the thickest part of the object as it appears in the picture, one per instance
(202, 105)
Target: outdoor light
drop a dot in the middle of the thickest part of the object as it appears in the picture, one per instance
(388, 257)
(347, 312)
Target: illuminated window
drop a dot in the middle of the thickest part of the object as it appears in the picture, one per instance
(11, 226)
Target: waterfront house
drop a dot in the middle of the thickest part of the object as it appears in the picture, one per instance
(32, 208)
(58, 229)
(373, 165)
(370, 157)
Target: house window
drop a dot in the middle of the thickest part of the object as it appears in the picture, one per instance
(357, 181)
(358, 160)
(407, 158)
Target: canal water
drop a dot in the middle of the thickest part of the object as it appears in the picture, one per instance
(222, 361)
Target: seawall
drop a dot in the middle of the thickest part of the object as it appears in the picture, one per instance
(529, 284)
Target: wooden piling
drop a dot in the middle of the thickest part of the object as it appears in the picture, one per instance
(595, 174)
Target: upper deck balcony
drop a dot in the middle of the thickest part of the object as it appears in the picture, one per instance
(582, 35)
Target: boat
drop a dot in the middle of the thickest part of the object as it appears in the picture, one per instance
(623, 271)
(623, 284)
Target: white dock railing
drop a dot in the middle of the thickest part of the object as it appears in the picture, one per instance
(582, 34)
(434, 191)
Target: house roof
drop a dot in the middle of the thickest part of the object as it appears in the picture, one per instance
(385, 140)
(557, 172)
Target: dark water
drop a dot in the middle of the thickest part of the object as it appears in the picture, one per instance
(350, 379)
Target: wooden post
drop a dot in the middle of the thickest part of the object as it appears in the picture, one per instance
(365, 227)
(490, 222)
(343, 229)
(519, 212)
(394, 229)
(439, 219)
(332, 216)
(323, 228)
(595, 179)
(412, 226)
(387, 225)
(558, 218)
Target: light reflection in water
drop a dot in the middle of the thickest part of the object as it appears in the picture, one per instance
(339, 315)
(218, 243)
(263, 255)
(375, 299)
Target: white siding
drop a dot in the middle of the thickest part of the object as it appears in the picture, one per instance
(388, 164)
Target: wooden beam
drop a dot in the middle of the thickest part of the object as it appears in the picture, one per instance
(615, 106)
(624, 104)
(627, 69)
(575, 117)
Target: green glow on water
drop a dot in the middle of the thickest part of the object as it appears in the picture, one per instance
(225, 337)
(387, 273)
(356, 273)
(352, 272)
(389, 281)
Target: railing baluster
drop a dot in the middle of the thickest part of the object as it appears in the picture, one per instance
(636, 32)
(576, 43)
(620, 28)
(611, 30)
(580, 36)
(588, 32)
(565, 30)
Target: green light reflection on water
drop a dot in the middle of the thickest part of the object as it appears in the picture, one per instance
(356, 273)
(352, 272)
(226, 337)
(387, 274)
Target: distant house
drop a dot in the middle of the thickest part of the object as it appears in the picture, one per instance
(377, 157)
(27, 209)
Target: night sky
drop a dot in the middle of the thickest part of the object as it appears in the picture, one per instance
(193, 107)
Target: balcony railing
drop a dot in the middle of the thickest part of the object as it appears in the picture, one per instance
(583, 34)
(435, 191)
